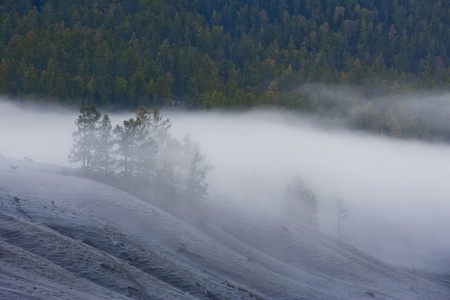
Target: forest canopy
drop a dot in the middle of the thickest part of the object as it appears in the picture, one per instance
(206, 54)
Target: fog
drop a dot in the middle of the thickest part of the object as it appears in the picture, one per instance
(39, 133)
(397, 191)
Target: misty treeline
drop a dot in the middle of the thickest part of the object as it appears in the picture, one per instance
(418, 115)
(215, 53)
(140, 156)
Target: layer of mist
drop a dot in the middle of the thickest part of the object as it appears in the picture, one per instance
(421, 114)
(34, 132)
(396, 190)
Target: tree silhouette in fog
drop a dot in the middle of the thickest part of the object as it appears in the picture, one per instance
(85, 138)
(103, 161)
(300, 201)
(141, 156)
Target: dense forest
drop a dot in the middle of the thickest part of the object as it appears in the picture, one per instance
(229, 54)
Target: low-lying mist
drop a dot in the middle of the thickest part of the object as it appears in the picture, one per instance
(397, 191)
(34, 132)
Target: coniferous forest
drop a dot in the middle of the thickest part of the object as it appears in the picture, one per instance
(227, 54)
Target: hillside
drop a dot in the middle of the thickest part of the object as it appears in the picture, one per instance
(203, 54)
(72, 238)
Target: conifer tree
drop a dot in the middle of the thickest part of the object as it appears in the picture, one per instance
(126, 139)
(342, 212)
(85, 137)
(196, 171)
(300, 201)
(138, 142)
(103, 160)
(145, 146)
(153, 146)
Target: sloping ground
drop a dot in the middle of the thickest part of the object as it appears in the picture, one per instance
(64, 237)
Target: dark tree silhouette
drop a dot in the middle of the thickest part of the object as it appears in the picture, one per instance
(85, 137)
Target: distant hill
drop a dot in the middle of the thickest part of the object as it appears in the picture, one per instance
(214, 53)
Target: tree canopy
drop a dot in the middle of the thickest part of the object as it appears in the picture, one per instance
(217, 53)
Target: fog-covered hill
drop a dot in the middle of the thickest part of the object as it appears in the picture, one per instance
(65, 237)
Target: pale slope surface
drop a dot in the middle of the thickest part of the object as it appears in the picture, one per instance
(65, 237)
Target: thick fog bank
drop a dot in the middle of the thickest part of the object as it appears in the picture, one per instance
(397, 191)
(42, 134)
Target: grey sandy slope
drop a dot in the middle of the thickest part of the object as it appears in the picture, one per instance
(64, 237)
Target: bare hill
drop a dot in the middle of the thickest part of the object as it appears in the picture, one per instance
(65, 237)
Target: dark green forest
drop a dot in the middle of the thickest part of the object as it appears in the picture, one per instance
(227, 54)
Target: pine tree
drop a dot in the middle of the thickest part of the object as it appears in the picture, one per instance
(197, 169)
(138, 142)
(103, 161)
(300, 201)
(85, 137)
(125, 137)
(342, 212)
(145, 145)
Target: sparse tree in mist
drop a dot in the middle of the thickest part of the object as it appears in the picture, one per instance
(103, 160)
(158, 127)
(167, 179)
(196, 186)
(139, 141)
(127, 138)
(182, 171)
(182, 181)
(85, 137)
(144, 156)
(342, 212)
(155, 136)
(300, 201)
